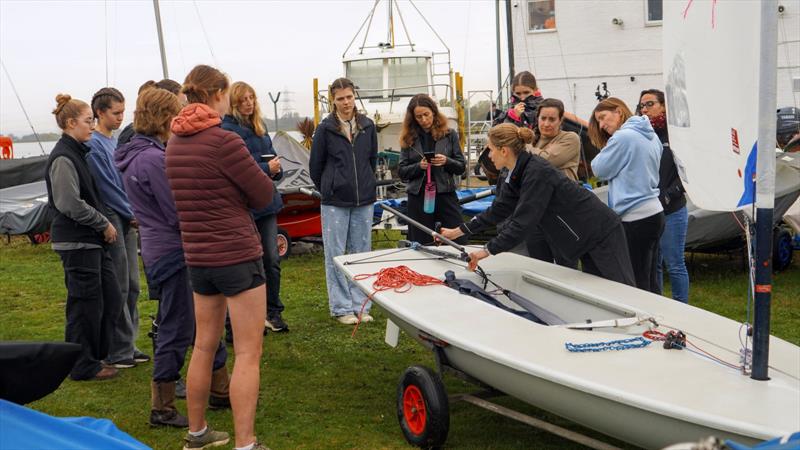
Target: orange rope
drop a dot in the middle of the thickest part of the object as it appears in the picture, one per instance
(401, 279)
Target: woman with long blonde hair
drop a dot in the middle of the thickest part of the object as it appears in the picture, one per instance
(244, 119)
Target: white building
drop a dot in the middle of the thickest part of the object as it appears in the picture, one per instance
(572, 46)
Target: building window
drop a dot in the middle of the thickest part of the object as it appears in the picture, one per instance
(655, 11)
(541, 15)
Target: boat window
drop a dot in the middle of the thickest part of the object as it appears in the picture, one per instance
(655, 11)
(366, 74)
(541, 15)
(404, 72)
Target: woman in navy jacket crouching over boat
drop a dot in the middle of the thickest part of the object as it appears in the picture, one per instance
(534, 193)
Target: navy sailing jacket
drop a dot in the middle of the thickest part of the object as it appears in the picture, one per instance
(572, 218)
(257, 145)
(344, 172)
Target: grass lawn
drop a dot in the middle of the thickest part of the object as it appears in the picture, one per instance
(321, 388)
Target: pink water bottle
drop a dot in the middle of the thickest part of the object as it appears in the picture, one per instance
(429, 203)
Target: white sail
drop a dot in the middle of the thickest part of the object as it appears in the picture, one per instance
(711, 60)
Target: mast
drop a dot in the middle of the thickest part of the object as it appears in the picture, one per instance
(499, 56)
(510, 41)
(765, 185)
(390, 28)
(161, 39)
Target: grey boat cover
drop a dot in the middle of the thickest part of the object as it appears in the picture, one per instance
(14, 172)
(24, 209)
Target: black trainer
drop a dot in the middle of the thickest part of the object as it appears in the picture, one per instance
(140, 357)
(123, 364)
(276, 323)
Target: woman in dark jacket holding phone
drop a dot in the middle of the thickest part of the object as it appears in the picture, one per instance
(430, 149)
(245, 120)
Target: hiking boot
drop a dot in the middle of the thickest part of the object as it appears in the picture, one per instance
(105, 373)
(180, 388)
(162, 410)
(140, 357)
(347, 319)
(170, 418)
(123, 364)
(208, 439)
(366, 318)
(276, 323)
(219, 396)
(216, 403)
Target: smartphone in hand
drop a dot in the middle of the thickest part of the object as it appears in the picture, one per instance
(429, 155)
(268, 158)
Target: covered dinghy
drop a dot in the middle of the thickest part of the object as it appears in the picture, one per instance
(24, 209)
(22, 427)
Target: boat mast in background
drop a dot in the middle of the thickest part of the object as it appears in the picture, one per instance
(161, 39)
(765, 185)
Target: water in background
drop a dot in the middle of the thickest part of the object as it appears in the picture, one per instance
(28, 149)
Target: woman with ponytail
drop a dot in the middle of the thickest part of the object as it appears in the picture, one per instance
(216, 183)
(534, 193)
(81, 235)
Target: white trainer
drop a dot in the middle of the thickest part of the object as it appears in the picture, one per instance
(366, 318)
(347, 319)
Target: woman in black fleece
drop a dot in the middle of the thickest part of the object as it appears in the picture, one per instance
(573, 220)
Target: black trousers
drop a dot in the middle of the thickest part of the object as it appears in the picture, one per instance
(94, 305)
(643, 236)
(268, 230)
(539, 248)
(176, 328)
(447, 211)
(610, 259)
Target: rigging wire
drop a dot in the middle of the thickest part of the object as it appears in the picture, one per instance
(105, 32)
(177, 29)
(14, 88)
(205, 35)
(785, 41)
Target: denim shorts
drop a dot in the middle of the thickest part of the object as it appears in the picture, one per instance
(228, 280)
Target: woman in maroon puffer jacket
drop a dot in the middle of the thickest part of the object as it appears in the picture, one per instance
(215, 183)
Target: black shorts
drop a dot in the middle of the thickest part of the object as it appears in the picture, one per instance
(228, 280)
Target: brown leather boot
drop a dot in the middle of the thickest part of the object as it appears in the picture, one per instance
(162, 411)
(219, 397)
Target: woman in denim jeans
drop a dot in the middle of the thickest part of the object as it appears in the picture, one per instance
(673, 199)
(343, 158)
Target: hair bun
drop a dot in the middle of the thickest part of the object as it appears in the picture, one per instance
(525, 135)
(61, 100)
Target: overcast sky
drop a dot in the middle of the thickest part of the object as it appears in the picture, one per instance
(69, 46)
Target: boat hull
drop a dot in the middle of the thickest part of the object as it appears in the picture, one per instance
(651, 397)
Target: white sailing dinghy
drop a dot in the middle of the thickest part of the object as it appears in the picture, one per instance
(580, 346)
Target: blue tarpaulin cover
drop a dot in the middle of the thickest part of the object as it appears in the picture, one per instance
(789, 442)
(23, 428)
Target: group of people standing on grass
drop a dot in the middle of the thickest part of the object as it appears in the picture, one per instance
(192, 179)
(189, 174)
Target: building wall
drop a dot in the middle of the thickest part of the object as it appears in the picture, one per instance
(586, 48)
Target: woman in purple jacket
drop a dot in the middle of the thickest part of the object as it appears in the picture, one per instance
(141, 163)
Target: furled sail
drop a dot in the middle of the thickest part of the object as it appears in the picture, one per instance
(711, 59)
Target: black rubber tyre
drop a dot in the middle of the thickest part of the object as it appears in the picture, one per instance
(422, 407)
(782, 249)
(284, 244)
